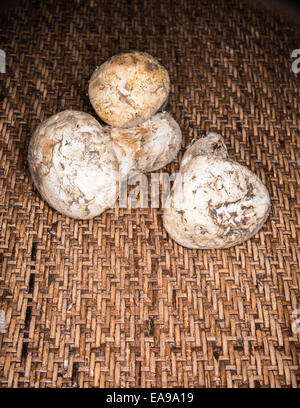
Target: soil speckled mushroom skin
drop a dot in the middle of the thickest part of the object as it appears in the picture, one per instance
(73, 165)
(128, 89)
(147, 147)
(215, 202)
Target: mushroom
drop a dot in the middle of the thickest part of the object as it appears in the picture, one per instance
(128, 89)
(215, 202)
(147, 147)
(73, 164)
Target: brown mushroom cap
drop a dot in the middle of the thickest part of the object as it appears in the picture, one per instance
(128, 89)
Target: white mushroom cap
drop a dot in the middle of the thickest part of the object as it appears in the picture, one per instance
(215, 202)
(129, 88)
(149, 146)
(73, 165)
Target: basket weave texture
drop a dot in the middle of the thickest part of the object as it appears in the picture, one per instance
(114, 301)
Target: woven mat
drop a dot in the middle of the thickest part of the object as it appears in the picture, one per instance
(114, 302)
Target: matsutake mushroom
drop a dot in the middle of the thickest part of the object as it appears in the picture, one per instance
(129, 88)
(73, 164)
(215, 202)
(147, 147)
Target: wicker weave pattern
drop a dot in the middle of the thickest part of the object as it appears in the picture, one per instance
(114, 302)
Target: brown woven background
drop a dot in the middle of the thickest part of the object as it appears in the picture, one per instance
(114, 302)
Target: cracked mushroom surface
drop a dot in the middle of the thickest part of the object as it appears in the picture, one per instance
(128, 89)
(149, 146)
(215, 202)
(73, 164)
